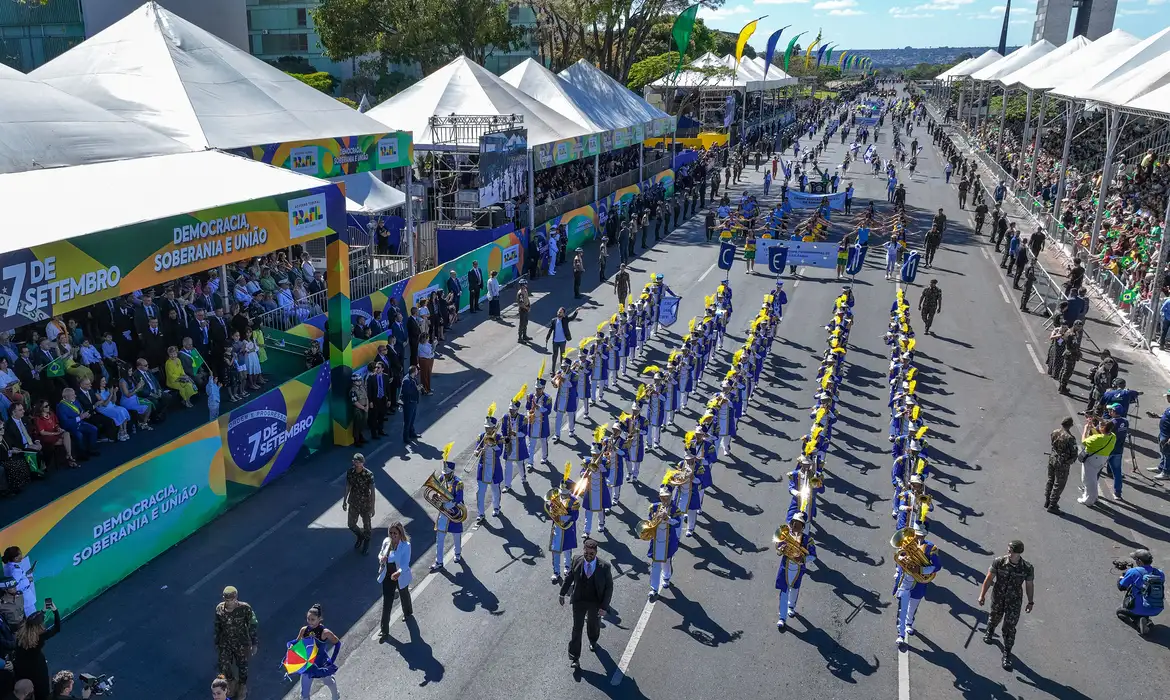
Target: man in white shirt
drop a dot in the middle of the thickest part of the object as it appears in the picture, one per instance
(553, 249)
(493, 290)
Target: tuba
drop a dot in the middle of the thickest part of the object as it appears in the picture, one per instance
(557, 507)
(910, 556)
(680, 477)
(647, 529)
(437, 495)
(788, 544)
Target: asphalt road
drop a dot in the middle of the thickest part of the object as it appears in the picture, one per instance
(491, 628)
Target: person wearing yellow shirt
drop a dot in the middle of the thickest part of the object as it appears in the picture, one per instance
(177, 379)
(1097, 441)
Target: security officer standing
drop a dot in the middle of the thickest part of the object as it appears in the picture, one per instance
(523, 306)
(235, 640)
(359, 501)
(1008, 577)
(579, 270)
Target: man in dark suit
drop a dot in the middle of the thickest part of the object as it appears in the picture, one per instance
(86, 396)
(378, 391)
(559, 333)
(475, 284)
(410, 398)
(592, 582)
(146, 311)
(413, 335)
(154, 343)
(393, 368)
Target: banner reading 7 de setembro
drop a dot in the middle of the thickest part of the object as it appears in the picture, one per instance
(55, 278)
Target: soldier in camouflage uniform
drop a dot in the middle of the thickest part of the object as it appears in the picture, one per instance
(930, 303)
(1011, 576)
(235, 640)
(1063, 454)
(1071, 355)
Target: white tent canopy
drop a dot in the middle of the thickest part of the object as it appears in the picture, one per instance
(122, 193)
(42, 127)
(1075, 65)
(366, 194)
(950, 71)
(1133, 84)
(981, 61)
(1092, 77)
(774, 72)
(624, 104)
(689, 78)
(1060, 53)
(463, 87)
(566, 99)
(1014, 61)
(157, 69)
(750, 70)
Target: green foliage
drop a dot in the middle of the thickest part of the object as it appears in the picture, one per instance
(429, 32)
(925, 71)
(347, 102)
(725, 44)
(319, 80)
(650, 69)
(293, 64)
(1017, 108)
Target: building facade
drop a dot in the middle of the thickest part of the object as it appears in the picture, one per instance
(523, 17)
(32, 34)
(1054, 19)
(279, 28)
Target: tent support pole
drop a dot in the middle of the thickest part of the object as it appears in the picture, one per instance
(408, 230)
(1113, 130)
(641, 161)
(223, 285)
(1070, 121)
(596, 172)
(531, 192)
(1002, 125)
(1036, 140)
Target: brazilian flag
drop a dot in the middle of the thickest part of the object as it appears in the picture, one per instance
(196, 361)
(56, 368)
(1129, 296)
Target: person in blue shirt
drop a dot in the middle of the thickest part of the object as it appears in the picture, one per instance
(1165, 322)
(1116, 457)
(1144, 587)
(1120, 395)
(1161, 470)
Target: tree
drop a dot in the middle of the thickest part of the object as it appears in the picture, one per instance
(650, 69)
(319, 80)
(725, 44)
(427, 32)
(659, 40)
(293, 64)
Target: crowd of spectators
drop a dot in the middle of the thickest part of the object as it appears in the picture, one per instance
(109, 371)
(563, 180)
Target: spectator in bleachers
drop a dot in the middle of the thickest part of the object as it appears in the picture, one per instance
(76, 421)
(19, 437)
(128, 388)
(87, 400)
(177, 379)
(48, 437)
(106, 403)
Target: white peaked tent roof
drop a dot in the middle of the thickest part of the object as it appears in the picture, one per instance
(981, 61)
(463, 87)
(565, 99)
(366, 194)
(42, 127)
(1060, 53)
(774, 73)
(1021, 57)
(752, 72)
(1130, 85)
(950, 71)
(1118, 64)
(695, 78)
(627, 106)
(1075, 65)
(156, 68)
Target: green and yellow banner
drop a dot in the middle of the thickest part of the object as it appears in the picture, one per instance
(337, 156)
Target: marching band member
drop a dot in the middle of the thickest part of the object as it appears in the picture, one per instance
(583, 368)
(725, 415)
(600, 372)
(614, 454)
(637, 428)
(629, 339)
(661, 529)
(657, 290)
(670, 391)
(686, 373)
(613, 356)
(645, 322)
(565, 401)
(538, 406)
(739, 384)
(596, 498)
(444, 525)
(907, 589)
(656, 405)
(796, 552)
(779, 299)
(805, 473)
(915, 498)
(488, 471)
(514, 431)
(688, 496)
(563, 536)
(704, 447)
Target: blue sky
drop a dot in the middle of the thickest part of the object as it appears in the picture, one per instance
(883, 24)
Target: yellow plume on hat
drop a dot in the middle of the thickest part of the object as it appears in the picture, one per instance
(688, 438)
(910, 345)
(521, 394)
(651, 369)
(820, 415)
(568, 350)
(911, 386)
(720, 289)
(447, 451)
(839, 351)
(621, 308)
(910, 374)
(709, 300)
(568, 471)
(713, 403)
(811, 445)
(691, 326)
(674, 355)
(599, 434)
(737, 356)
(629, 299)
(587, 341)
(542, 365)
(769, 298)
(914, 412)
(668, 476)
(920, 432)
(624, 417)
(601, 326)
(641, 393)
(686, 337)
(920, 466)
(826, 380)
(492, 410)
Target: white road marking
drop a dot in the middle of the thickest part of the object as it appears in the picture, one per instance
(796, 284)
(986, 254)
(1003, 291)
(1035, 358)
(511, 352)
(903, 675)
(243, 550)
(704, 275)
(113, 649)
(628, 654)
(466, 384)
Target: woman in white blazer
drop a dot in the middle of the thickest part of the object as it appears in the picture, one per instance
(394, 574)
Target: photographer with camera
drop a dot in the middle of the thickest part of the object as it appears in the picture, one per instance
(1144, 588)
(63, 686)
(1097, 442)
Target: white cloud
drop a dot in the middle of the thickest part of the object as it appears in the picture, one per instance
(1126, 13)
(834, 4)
(723, 12)
(943, 5)
(1156, 2)
(781, 2)
(847, 12)
(909, 13)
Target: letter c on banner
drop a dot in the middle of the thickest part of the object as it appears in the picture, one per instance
(856, 260)
(726, 255)
(910, 267)
(777, 258)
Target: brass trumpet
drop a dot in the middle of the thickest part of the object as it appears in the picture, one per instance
(789, 544)
(438, 495)
(910, 556)
(557, 507)
(647, 529)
